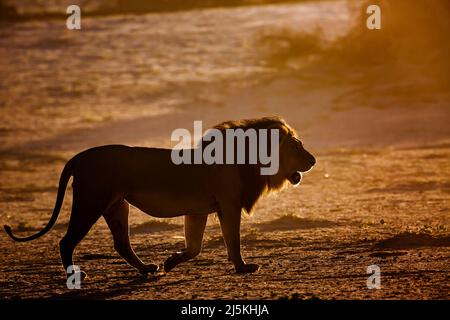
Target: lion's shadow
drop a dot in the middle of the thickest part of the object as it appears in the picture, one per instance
(100, 294)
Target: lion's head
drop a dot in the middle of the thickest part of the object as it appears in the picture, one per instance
(297, 159)
(293, 159)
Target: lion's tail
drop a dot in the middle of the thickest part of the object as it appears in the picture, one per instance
(63, 180)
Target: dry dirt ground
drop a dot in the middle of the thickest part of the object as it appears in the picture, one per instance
(358, 207)
(379, 194)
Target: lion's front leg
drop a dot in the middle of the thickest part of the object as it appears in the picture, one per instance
(194, 227)
(230, 222)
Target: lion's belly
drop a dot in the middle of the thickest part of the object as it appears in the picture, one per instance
(167, 205)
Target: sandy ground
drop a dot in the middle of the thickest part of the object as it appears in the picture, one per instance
(379, 194)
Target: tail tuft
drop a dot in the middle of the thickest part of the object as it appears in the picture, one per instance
(9, 232)
(7, 229)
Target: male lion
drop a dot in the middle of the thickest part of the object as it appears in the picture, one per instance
(107, 179)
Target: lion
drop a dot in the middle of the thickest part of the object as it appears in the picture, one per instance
(107, 179)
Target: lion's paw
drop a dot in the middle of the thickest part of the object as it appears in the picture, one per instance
(172, 261)
(149, 268)
(76, 278)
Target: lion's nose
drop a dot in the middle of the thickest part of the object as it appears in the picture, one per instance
(312, 161)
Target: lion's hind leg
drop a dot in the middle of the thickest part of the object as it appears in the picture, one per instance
(194, 227)
(117, 219)
(82, 218)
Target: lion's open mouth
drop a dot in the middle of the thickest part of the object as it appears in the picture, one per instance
(295, 178)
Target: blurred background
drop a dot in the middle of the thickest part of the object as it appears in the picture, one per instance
(143, 61)
(150, 66)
